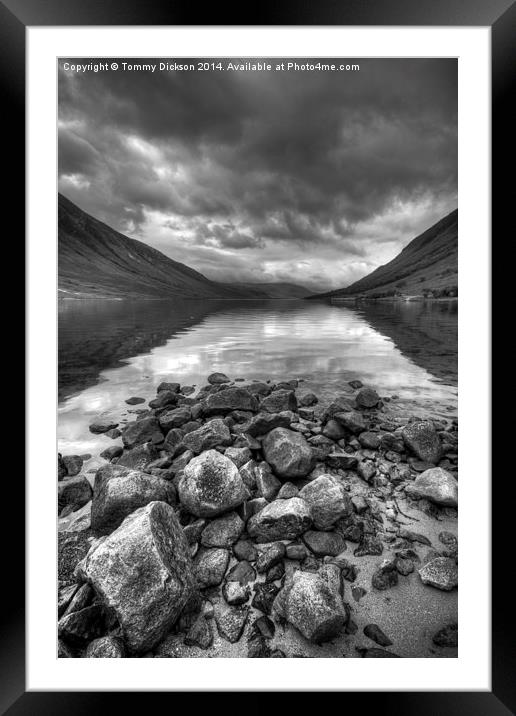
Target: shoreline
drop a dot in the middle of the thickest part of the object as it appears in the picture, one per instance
(349, 496)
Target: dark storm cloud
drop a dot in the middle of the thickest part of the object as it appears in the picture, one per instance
(265, 170)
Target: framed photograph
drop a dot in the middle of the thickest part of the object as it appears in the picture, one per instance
(259, 349)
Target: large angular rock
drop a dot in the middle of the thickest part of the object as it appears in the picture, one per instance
(164, 398)
(240, 456)
(83, 625)
(102, 425)
(140, 431)
(288, 453)
(228, 399)
(231, 622)
(118, 491)
(211, 485)
(281, 519)
(279, 400)
(267, 484)
(74, 492)
(144, 573)
(312, 603)
(213, 433)
(106, 647)
(170, 387)
(139, 457)
(422, 439)
(328, 501)
(352, 421)
(73, 464)
(210, 566)
(324, 543)
(265, 422)
(175, 418)
(223, 532)
(440, 573)
(436, 485)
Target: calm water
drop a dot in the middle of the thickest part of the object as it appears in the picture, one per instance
(111, 350)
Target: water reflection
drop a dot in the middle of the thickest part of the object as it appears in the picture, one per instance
(407, 351)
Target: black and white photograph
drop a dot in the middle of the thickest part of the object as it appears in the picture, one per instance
(257, 451)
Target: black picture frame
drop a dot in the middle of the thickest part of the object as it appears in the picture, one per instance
(500, 15)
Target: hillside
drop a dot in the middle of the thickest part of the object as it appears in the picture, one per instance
(426, 266)
(97, 261)
(277, 290)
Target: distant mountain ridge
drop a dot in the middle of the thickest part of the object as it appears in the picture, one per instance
(97, 261)
(427, 265)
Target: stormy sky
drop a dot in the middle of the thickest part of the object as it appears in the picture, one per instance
(313, 178)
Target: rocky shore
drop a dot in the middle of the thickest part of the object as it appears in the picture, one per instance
(248, 519)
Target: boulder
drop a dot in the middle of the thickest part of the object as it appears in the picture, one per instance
(352, 421)
(139, 457)
(267, 484)
(82, 626)
(118, 491)
(73, 492)
(102, 426)
(213, 433)
(281, 519)
(72, 464)
(242, 573)
(135, 400)
(257, 387)
(447, 635)
(313, 605)
(369, 440)
(164, 398)
(200, 633)
(175, 418)
(223, 532)
(288, 489)
(367, 398)
(436, 485)
(263, 423)
(278, 401)
(245, 550)
(333, 430)
(140, 431)
(235, 593)
(308, 399)
(211, 485)
(341, 461)
(105, 647)
(72, 547)
(423, 441)
(288, 453)
(440, 573)
(324, 543)
(173, 443)
(239, 455)
(111, 452)
(210, 566)
(231, 622)
(328, 501)
(143, 572)
(170, 387)
(271, 555)
(385, 576)
(228, 399)
(218, 379)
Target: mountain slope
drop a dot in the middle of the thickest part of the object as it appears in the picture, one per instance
(97, 261)
(427, 264)
(277, 290)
